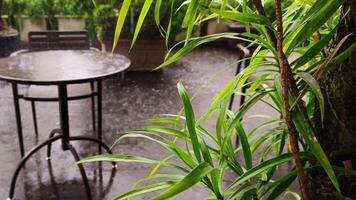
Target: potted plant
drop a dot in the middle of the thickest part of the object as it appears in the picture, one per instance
(70, 14)
(30, 15)
(8, 35)
(100, 19)
(150, 48)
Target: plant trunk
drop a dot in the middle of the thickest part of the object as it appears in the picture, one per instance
(2, 23)
(103, 46)
(337, 134)
(293, 137)
(100, 36)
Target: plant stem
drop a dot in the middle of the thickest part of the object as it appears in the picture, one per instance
(293, 137)
(292, 82)
(2, 24)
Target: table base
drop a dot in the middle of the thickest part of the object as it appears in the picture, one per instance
(48, 143)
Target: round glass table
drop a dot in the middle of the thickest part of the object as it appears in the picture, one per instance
(60, 68)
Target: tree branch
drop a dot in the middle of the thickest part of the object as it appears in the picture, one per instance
(292, 82)
(293, 137)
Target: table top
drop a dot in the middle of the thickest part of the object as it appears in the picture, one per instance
(61, 67)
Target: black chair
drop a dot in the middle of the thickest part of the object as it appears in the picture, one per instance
(58, 40)
(243, 53)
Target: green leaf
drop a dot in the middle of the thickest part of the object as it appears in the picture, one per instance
(264, 137)
(314, 145)
(145, 8)
(341, 57)
(206, 153)
(281, 185)
(323, 10)
(244, 193)
(263, 167)
(207, 134)
(257, 83)
(314, 50)
(243, 17)
(240, 113)
(196, 175)
(190, 14)
(190, 120)
(118, 158)
(94, 2)
(165, 120)
(138, 135)
(314, 85)
(168, 32)
(195, 43)
(146, 189)
(295, 195)
(128, 158)
(322, 158)
(166, 130)
(216, 179)
(157, 12)
(234, 163)
(182, 155)
(120, 22)
(245, 145)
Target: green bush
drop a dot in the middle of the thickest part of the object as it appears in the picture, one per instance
(36, 8)
(70, 7)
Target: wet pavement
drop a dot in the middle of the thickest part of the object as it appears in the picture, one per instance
(140, 96)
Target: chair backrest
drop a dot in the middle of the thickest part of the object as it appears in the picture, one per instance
(244, 54)
(58, 40)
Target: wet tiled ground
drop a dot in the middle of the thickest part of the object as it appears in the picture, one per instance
(141, 95)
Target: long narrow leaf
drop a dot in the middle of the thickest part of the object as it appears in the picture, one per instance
(245, 145)
(190, 120)
(314, 50)
(146, 189)
(145, 8)
(314, 85)
(191, 179)
(314, 145)
(157, 12)
(243, 17)
(120, 22)
(263, 167)
(322, 13)
(195, 43)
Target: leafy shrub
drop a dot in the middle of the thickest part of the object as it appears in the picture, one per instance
(293, 53)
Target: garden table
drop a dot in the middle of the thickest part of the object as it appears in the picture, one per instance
(60, 68)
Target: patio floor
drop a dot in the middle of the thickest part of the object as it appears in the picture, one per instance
(141, 95)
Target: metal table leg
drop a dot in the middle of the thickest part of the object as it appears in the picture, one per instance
(34, 116)
(51, 135)
(64, 135)
(24, 160)
(18, 118)
(82, 171)
(92, 88)
(100, 128)
(63, 114)
(100, 143)
(70, 147)
(76, 138)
